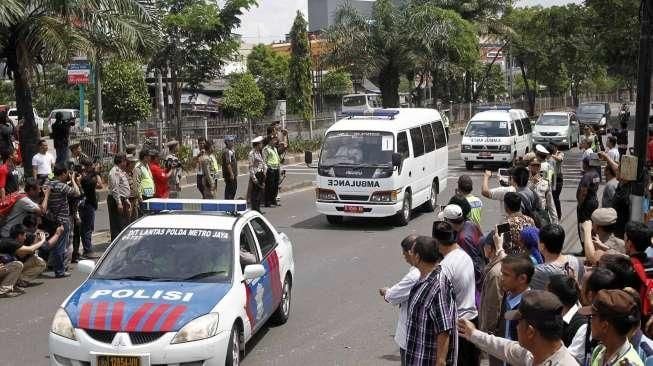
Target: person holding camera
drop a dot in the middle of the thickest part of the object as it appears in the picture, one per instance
(28, 205)
(58, 211)
(90, 183)
(159, 175)
(61, 136)
(173, 168)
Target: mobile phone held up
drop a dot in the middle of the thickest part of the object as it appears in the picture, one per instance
(503, 228)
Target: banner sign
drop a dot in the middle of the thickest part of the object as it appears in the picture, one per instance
(79, 71)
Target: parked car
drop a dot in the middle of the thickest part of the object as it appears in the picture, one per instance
(13, 116)
(594, 114)
(67, 114)
(558, 127)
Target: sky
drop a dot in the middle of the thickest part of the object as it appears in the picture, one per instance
(272, 19)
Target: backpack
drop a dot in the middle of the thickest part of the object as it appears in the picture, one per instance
(531, 207)
(8, 203)
(646, 290)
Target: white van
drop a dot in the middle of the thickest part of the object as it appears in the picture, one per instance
(381, 164)
(496, 136)
(361, 102)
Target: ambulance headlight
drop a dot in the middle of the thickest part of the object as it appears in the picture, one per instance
(61, 325)
(201, 328)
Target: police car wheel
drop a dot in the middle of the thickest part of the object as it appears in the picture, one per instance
(282, 313)
(233, 351)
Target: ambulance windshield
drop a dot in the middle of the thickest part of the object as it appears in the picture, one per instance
(164, 254)
(487, 129)
(357, 148)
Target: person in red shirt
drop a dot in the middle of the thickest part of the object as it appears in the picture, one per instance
(649, 148)
(160, 176)
(4, 172)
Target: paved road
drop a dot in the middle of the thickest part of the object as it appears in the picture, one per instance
(337, 316)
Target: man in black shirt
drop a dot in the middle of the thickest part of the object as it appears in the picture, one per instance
(6, 133)
(586, 195)
(15, 246)
(622, 138)
(91, 181)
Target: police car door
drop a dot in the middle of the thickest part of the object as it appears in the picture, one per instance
(253, 303)
(271, 281)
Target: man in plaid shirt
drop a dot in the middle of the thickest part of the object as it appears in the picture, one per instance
(432, 334)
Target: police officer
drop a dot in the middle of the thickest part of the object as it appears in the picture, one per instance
(143, 177)
(172, 164)
(257, 170)
(229, 168)
(272, 161)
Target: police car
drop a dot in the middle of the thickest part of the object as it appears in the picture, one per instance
(188, 285)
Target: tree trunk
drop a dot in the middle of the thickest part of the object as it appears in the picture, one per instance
(530, 96)
(389, 84)
(176, 96)
(29, 135)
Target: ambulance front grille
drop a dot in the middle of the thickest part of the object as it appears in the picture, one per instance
(106, 336)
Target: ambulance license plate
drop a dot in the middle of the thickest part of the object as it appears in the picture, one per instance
(103, 360)
(354, 209)
(485, 154)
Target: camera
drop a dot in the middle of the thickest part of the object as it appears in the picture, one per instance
(77, 168)
(172, 163)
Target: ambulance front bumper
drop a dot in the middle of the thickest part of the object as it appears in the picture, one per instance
(355, 209)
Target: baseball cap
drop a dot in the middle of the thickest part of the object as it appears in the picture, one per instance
(257, 139)
(451, 212)
(538, 308)
(604, 216)
(611, 303)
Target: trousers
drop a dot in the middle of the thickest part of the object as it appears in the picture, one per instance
(117, 221)
(256, 196)
(230, 188)
(271, 186)
(33, 266)
(87, 225)
(9, 274)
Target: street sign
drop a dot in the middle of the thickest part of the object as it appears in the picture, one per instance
(79, 71)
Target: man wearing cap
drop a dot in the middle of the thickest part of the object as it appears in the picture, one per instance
(209, 171)
(257, 171)
(611, 185)
(173, 167)
(431, 328)
(539, 330)
(272, 176)
(465, 188)
(458, 268)
(118, 203)
(542, 189)
(614, 315)
(229, 168)
(599, 235)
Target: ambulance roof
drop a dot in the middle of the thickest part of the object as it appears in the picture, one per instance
(406, 118)
(499, 115)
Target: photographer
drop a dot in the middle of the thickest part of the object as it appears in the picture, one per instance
(159, 175)
(28, 205)
(58, 211)
(90, 183)
(61, 136)
(17, 247)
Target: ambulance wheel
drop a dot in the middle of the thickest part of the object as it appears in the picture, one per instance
(282, 313)
(403, 216)
(469, 165)
(334, 220)
(432, 202)
(233, 351)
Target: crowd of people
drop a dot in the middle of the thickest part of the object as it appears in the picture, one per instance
(510, 295)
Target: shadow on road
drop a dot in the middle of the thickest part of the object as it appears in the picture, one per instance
(319, 222)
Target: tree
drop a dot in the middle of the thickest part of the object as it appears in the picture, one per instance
(53, 90)
(300, 83)
(336, 83)
(271, 72)
(244, 97)
(198, 42)
(375, 46)
(125, 93)
(36, 31)
(494, 84)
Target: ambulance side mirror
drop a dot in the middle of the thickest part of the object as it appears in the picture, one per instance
(86, 266)
(254, 271)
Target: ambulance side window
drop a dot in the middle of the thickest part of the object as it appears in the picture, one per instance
(520, 128)
(402, 145)
(512, 129)
(265, 236)
(418, 142)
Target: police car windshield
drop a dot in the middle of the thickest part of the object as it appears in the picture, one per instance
(164, 254)
(487, 129)
(357, 148)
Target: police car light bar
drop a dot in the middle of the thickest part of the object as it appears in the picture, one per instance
(373, 113)
(195, 205)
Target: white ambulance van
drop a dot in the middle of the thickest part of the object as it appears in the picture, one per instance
(496, 136)
(382, 163)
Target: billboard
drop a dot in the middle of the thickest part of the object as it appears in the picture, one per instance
(79, 71)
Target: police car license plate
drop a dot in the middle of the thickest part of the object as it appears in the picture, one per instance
(103, 360)
(354, 209)
(485, 154)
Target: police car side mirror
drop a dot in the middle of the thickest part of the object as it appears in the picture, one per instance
(396, 159)
(308, 157)
(86, 266)
(254, 271)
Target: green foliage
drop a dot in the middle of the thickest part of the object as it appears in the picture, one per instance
(124, 92)
(300, 85)
(53, 91)
(300, 145)
(336, 82)
(244, 97)
(271, 72)
(494, 85)
(6, 92)
(476, 10)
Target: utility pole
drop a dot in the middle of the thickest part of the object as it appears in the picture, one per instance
(639, 187)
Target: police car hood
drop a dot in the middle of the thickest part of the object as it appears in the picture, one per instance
(139, 306)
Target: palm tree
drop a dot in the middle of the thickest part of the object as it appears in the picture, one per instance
(33, 32)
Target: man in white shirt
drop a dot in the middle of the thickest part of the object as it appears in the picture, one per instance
(399, 294)
(613, 151)
(498, 193)
(458, 268)
(42, 163)
(585, 145)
